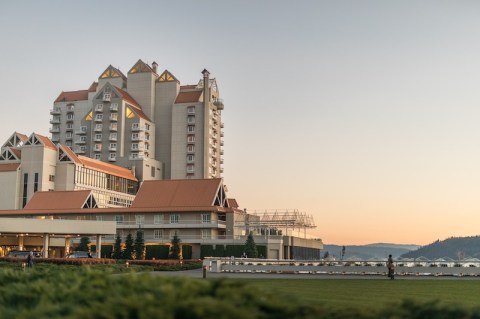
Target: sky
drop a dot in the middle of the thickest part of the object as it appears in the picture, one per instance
(363, 114)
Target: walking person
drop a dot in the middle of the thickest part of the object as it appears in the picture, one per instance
(30, 260)
(390, 267)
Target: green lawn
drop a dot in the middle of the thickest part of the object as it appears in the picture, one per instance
(375, 294)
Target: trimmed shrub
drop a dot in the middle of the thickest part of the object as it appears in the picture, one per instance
(187, 252)
(219, 251)
(234, 250)
(107, 250)
(207, 251)
(156, 251)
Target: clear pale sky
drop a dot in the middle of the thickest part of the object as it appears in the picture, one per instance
(364, 114)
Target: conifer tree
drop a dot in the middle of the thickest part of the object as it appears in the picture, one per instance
(117, 248)
(251, 247)
(139, 245)
(175, 247)
(128, 251)
(84, 242)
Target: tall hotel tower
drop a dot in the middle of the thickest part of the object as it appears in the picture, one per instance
(147, 122)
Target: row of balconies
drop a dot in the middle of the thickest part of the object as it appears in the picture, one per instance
(113, 108)
(113, 117)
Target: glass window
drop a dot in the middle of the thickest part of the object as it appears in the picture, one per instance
(174, 219)
(206, 218)
(119, 219)
(139, 219)
(158, 219)
(158, 233)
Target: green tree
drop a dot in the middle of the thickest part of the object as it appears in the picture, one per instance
(251, 247)
(139, 245)
(175, 248)
(117, 248)
(84, 242)
(129, 248)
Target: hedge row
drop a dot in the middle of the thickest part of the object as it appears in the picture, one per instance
(63, 261)
(228, 251)
(163, 262)
(162, 251)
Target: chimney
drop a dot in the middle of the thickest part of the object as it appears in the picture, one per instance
(154, 66)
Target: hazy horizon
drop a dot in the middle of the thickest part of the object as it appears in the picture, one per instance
(363, 114)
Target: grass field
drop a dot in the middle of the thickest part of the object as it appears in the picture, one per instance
(375, 294)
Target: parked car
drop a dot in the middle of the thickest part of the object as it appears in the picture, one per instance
(80, 254)
(24, 253)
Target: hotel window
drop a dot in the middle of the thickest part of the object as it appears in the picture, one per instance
(98, 127)
(139, 219)
(113, 136)
(174, 219)
(98, 156)
(191, 119)
(158, 219)
(69, 143)
(191, 148)
(51, 178)
(135, 126)
(112, 156)
(206, 234)
(191, 138)
(35, 183)
(119, 219)
(98, 137)
(147, 126)
(190, 168)
(135, 136)
(98, 147)
(113, 147)
(206, 218)
(83, 148)
(98, 117)
(99, 107)
(152, 171)
(191, 129)
(69, 134)
(69, 126)
(191, 110)
(83, 138)
(134, 146)
(99, 217)
(190, 158)
(157, 233)
(25, 188)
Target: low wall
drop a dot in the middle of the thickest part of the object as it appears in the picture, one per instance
(428, 268)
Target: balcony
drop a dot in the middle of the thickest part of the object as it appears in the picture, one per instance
(70, 109)
(69, 128)
(54, 130)
(97, 148)
(114, 117)
(55, 111)
(137, 138)
(80, 141)
(55, 138)
(98, 128)
(81, 131)
(114, 107)
(113, 127)
(221, 143)
(69, 137)
(55, 120)
(136, 156)
(97, 139)
(107, 97)
(112, 138)
(98, 119)
(112, 148)
(137, 148)
(221, 125)
(182, 223)
(112, 158)
(219, 104)
(136, 127)
(80, 150)
(221, 152)
(221, 133)
(99, 108)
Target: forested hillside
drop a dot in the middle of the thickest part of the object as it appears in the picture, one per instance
(454, 247)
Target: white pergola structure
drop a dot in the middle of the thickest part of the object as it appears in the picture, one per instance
(23, 228)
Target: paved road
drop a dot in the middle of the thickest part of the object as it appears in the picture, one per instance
(198, 273)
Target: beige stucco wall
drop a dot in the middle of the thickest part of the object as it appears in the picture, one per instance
(10, 194)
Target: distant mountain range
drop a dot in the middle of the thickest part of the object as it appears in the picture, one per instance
(455, 247)
(370, 251)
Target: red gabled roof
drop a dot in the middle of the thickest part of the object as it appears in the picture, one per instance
(107, 168)
(71, 96)
(11, 167)
(71, 154)
(17, 152)
(131, 101)
(22, 137)
(177, 193)
(58, 200)
(232, 203)
(93, 87)
(188, 87)
(46, 141)
(189, 96)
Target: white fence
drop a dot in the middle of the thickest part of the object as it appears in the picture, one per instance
(408, 268)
